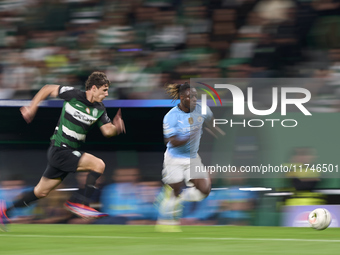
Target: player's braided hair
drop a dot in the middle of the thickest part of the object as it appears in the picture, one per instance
(98, 79)
(174, 90)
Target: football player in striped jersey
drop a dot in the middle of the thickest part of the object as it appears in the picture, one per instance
(81, 110)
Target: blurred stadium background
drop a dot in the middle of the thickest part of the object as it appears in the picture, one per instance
(140, 45)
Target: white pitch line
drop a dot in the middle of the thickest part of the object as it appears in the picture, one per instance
(84, 237)
(260, 239)
(185, 238)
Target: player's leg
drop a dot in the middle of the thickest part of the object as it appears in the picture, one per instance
(89, 162)
(3, 216)
(200, 190)
(96, 167)
(41, 190)
(45, 186)
(173, 176)
(50, 179)
(170, 206)
(199, 183)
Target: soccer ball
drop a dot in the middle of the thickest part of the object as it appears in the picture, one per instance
(320, 218)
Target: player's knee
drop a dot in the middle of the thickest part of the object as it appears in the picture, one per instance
(205, 188)
(206, 191)
(100, 166)
(41, 193)
(201, 194)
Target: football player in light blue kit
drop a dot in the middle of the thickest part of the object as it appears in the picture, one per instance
(182, 128)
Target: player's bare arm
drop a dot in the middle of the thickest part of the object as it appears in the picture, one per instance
(28, 112)
(115, 127)
(214, 131)
(175, 141)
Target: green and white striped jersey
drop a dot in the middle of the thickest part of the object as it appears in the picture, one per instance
(77, 117)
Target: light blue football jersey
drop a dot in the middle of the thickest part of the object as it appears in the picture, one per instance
(182, 124)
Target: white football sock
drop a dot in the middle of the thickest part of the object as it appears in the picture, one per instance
(170, 206)
(192, 194)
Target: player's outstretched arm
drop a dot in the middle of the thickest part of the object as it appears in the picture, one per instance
(115, 127)
(214, 131)
(28, 112)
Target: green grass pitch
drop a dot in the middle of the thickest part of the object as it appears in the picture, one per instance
(207, 240)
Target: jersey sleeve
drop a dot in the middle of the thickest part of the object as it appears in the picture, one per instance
(169, 125)
(67, 93)
(104, 119)
(208, 117)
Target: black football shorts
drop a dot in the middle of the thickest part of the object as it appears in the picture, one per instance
(61, 162)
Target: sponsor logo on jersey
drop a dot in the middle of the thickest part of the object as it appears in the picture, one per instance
(79, 115)
(83, 117)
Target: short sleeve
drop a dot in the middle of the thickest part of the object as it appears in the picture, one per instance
(169, 125)
(67, 93)
(104, 119)
(209, 115)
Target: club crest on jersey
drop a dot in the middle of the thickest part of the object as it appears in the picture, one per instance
(191, 121)
(95, 112)
(87, 110)
(199, 119)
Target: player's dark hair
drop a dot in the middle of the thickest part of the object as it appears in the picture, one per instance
(98, 79)
(174, 90)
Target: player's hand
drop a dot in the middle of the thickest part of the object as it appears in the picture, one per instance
(119, 123)
(27, 113)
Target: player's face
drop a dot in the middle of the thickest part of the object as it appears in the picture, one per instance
(190, 99)
(100, 94)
